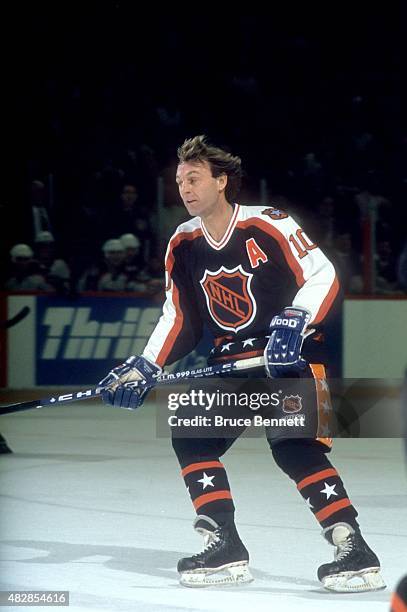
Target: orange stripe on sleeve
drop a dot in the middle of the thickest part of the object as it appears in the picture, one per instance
(210, 497)
(179, 315)
(327, 303)
(174, 331)
(332, 508)
(202, 465)
(316, 478)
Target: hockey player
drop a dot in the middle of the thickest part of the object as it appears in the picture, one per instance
(253, 276)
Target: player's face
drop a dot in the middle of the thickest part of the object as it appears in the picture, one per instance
(199, 190)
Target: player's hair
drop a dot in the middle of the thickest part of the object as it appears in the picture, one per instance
(198, 149)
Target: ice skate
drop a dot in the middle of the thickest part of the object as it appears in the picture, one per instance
(355, 567)
(224, 560)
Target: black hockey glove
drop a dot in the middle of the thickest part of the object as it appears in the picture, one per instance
(127, 385)
(282, 354)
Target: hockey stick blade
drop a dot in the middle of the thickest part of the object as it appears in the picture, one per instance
(165, 379)
(16, 319)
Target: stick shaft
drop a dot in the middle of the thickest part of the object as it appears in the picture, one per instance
(67, 398)
(164, 379)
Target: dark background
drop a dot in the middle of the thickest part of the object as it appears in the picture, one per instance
(100, 95)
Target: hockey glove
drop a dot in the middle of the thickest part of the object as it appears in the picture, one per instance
(282, 354)
(127, 385)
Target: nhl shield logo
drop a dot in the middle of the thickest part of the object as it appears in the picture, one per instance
(292, 404)
(229, 298)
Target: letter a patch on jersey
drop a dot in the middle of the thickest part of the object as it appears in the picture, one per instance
(229, 299)
(254, 253)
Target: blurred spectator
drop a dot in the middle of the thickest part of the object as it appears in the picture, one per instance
(55, 271)
(372, 203)
(156, 276)
(305, 129)
(85, 227)
(323, 223)
(114, 278)
(132, 216)
(40, 217)
(347, 263)
(386, 267)
(133, 260)
(402, 269)
(89, 279)
(107, 275)
(26, 274)
(29, 216)
(134, 264)
(140, 167)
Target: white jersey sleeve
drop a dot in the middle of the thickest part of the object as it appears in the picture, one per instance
(179, 328)
(315, 275)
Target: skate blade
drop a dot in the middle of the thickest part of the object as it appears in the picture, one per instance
(355, 582)
(232, 574)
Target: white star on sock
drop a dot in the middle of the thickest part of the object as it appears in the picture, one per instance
(328, 490)
(226, 347)
(206, 481)
(248, 342)
(307, 501)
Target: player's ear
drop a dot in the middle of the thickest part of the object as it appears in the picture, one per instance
(222, 181)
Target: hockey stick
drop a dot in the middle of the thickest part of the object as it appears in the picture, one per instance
(16, 319)
(165, 379)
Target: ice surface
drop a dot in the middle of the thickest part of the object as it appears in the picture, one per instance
(92, 502)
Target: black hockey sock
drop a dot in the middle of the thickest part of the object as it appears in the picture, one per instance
(209, 489)
(317, 480)
(399, 597)
(326, 497)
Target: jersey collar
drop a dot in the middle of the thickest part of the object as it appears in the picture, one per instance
(218, 245)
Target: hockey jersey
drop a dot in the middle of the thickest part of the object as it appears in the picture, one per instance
(234, 286)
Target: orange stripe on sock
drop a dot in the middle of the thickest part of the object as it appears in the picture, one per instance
(397, 604)
(210, 497)
(332, 508)
(316, 478)
(203, 465)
